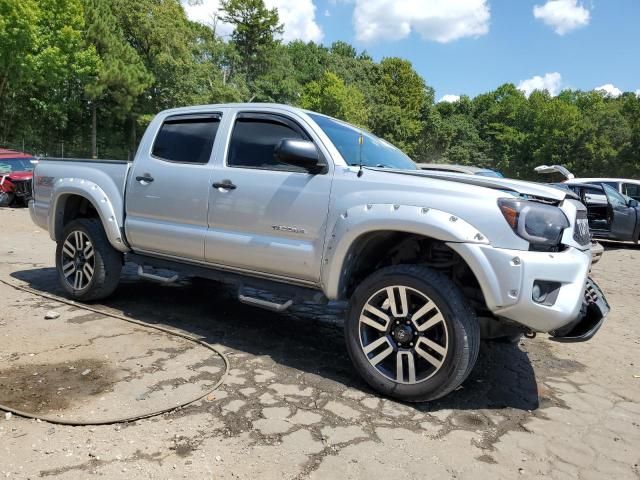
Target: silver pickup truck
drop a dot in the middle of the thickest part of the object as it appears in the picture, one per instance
(309, 208)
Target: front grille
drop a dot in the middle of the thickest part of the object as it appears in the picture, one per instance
(23, 188)
(581, 233)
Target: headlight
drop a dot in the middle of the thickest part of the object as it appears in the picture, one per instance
(537, 223)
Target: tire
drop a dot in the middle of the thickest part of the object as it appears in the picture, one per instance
(6, 199)
(449, 324)
(101, 277)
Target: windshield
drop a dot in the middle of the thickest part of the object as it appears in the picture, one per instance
(10, 165)
(374, 151)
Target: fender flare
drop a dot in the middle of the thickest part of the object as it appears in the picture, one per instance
(364, 219)
(65, 187)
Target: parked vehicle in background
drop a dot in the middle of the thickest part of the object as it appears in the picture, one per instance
(445, 167)
(16, 175)
(611, 215)
(308, 207)
(625, 186)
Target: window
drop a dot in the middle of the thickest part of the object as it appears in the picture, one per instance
(371, 151)
(186, 138)
(255, 137)
(631, 190)
(614, 197)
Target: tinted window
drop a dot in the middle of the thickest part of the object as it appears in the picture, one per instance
(631, 190)
(357, 146)
(187, 139)
(614, 197)
(254, 140)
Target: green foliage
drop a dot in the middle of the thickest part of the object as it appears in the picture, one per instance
(331, 96)
(255, 29)
(62, 59)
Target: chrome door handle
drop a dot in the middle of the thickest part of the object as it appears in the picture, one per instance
(225, 184)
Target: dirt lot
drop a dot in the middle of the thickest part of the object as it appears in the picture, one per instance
(292, 406)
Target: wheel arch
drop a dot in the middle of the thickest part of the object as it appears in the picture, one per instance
(362, 237)
(84, 199)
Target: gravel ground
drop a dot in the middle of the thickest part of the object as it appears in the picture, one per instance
(292, 407)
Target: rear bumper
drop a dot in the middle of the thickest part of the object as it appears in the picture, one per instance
(592, 316)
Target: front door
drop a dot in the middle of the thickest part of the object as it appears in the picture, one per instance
(265, 216)
(622, 217)
(168, 188)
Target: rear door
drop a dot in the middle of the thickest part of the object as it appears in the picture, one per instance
(168, 188)
(622, 217)
(272, 217)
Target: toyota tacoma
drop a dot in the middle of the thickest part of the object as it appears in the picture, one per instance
(309, 208)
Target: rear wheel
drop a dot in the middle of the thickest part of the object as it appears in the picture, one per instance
(88, 266)
(411, 333)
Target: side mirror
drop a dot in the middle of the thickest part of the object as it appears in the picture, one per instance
(633, 203)
(300, 153)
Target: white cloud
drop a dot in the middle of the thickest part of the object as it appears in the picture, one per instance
(297, 16)
(439, 20)
(449, 98)
(562, 15)
(550, 82)
(609, 90)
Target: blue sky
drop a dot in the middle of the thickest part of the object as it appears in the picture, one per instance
(472, 46)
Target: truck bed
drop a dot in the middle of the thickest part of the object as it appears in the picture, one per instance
(106, 180)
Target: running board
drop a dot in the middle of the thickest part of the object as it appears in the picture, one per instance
(156, 278)
(258, 302)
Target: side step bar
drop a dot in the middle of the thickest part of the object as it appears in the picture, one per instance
(258, 302)
(156, 278)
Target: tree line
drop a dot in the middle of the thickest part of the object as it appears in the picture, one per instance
(85, 77)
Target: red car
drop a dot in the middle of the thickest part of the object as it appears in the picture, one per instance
(16, 176)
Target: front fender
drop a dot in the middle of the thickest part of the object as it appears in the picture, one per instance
(364, 219)
(64, 188)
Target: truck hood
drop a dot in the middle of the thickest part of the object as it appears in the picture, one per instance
(18, 175)
(517, 187)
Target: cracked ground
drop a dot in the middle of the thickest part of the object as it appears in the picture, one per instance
(292, 406)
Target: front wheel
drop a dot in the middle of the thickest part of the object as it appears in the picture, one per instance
(411, 334)
(88, 266)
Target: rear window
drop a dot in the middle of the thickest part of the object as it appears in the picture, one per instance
(186, 139)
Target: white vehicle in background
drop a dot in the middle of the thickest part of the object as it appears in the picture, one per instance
(626, 186)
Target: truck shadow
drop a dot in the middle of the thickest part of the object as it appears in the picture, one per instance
(309, 340)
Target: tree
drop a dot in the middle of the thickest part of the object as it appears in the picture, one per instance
(121, 76)
(254, 35)
(332, 97)
(18, 37)
(401, 96)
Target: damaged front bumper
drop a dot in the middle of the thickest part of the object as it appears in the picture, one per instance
(592, 315)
